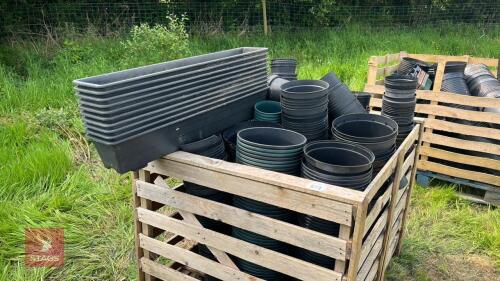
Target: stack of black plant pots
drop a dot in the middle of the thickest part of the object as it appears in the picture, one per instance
(338, 163)
(304, 105)
(272, 149)
(284, 68)
(375, 132)
(341, 101)
(268, 110)
(398, 103)
(212, 147)
(229, 135)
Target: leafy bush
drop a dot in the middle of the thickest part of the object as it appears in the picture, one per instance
(164, 41)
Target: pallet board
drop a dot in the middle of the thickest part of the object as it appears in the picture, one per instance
(450, 151)
(361, 249)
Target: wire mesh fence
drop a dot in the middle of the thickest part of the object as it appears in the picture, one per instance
(225, 15)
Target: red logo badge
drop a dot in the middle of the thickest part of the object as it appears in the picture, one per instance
(44, 247)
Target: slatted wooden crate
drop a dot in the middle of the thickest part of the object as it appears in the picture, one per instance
(445, 154)
(168, 231)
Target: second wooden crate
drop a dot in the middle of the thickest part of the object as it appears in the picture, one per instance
(466, 154)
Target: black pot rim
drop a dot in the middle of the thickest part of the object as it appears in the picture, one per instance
(300, 139)
(329, 144)
(287, 89)
(355, 117)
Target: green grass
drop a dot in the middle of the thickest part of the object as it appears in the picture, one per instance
(50, 176)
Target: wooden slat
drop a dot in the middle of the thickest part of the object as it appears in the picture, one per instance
(487, 61)
(374, 89)
(357, 239)
(391, 209)
(392, 58)
(400, 206)
(344, 234)
(408, 162)
(193, 260)
(459, 173)
(452, 98)
(220, 255)
(373, 236)
(370, 260)
(389, 58)
(372, 70)
(375, 211)
(250, 252)
(445, 111)
(188, 217)
(374, 102)
(437, 58)
(381, 178)
(463, 129)
(163, 272)
(409, 141)
(276, 229)
(410, 187)
(137, 228)
(401, 192)
(396, 227)
(265, 192)
(388, 169)
(146, 229)
(460, 158)
(394, 240)
(388, 70)
(443, 97)
(461, 144)
(281, 180)
(373, 272)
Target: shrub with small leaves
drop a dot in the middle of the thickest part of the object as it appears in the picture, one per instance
(164, 42)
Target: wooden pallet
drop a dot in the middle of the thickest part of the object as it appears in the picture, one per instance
(371, 222)
(483, 193)
(444, 151)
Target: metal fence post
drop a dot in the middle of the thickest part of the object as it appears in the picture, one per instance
(264, 15)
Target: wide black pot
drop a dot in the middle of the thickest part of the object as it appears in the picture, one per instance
(367, 128)
(400, 82)
(338, 158)
(304, 89)
(229, 134)
(283, 66)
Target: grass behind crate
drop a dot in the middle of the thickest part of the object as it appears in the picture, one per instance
(50, 176)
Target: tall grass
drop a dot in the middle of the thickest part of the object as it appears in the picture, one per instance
(50, 176)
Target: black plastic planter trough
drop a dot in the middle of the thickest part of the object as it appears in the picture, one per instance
(144, 130)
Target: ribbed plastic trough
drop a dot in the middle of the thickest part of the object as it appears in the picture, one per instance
(138, 115)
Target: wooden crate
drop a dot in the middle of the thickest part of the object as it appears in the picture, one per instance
(445, 154)
(167, 229)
